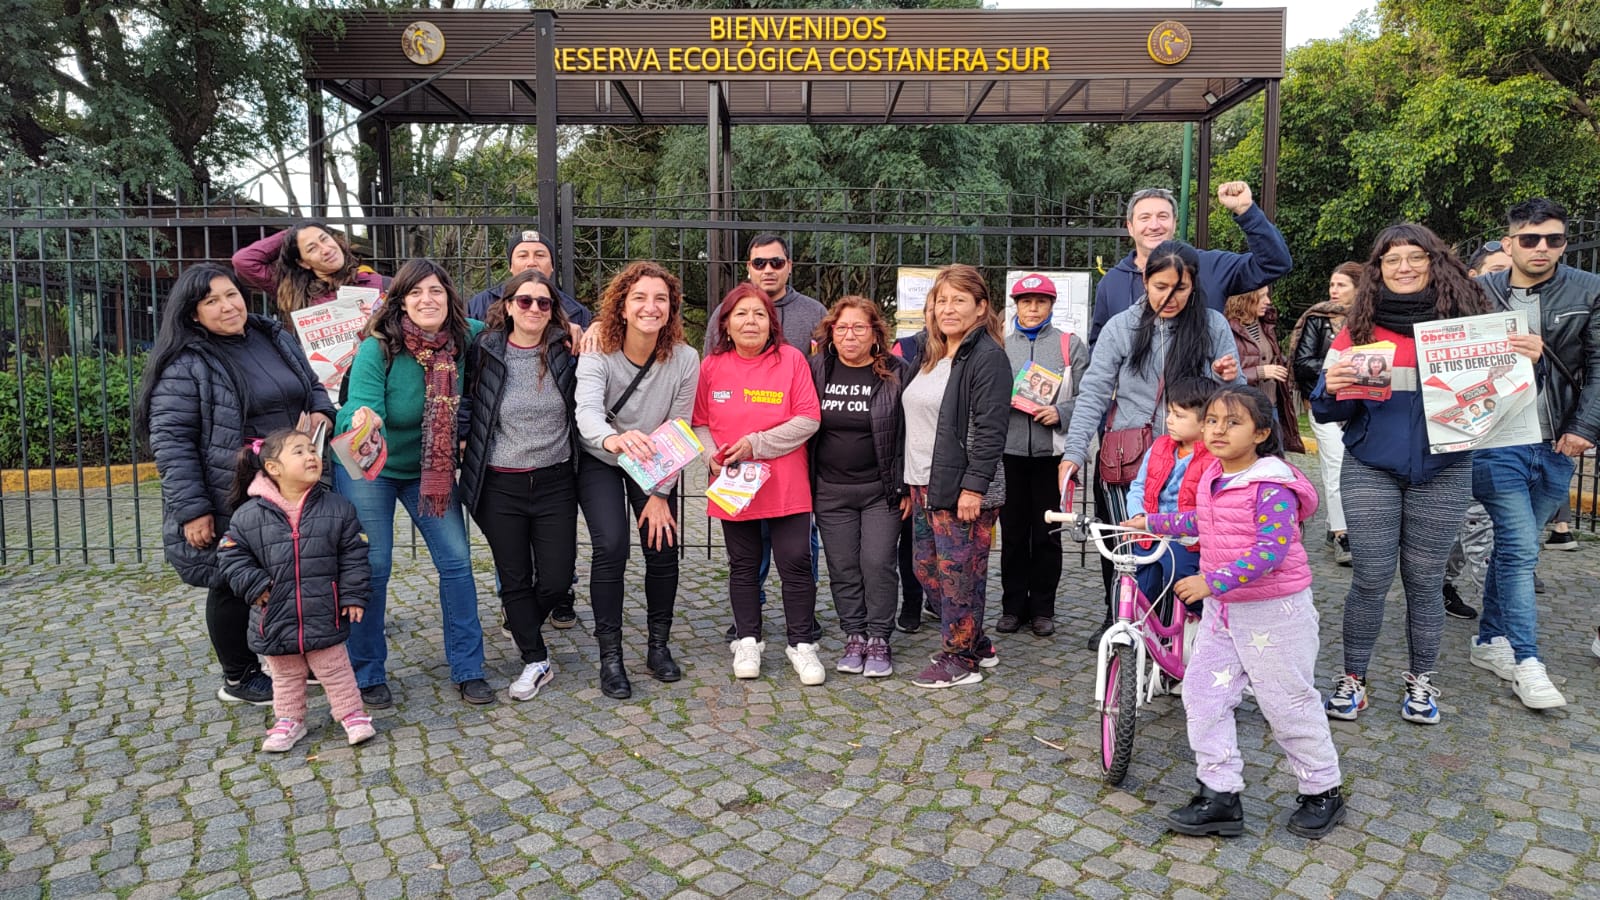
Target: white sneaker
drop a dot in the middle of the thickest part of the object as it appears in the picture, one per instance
(1496, 656)
(534, 676)
(804, 659)
(747, 657)
(1533, 686)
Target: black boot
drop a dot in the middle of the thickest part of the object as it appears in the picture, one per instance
(1318, 813)
(613, 678)
(1094, 639)
(658, 658)
(1210, 812)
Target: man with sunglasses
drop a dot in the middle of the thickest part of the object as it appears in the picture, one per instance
(1153, 218)
(768, 269)
(1523, 486)
(530, 250)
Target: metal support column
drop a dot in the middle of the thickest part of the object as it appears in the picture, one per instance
(1269, 153)
(318, 154)
(385, 238)
(1202, 218)
(545, 115)
(715, 257)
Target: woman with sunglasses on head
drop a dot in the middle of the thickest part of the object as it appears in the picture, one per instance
(408, 373)
(518, 474)
(303, 266)
(857, 477)
(1308, 348)
(642, 376)
(755, 402)
(1403, 504)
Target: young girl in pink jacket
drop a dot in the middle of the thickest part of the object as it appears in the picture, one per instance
(1259, 628)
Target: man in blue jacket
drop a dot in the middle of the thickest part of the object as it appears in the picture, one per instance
(530, 250)
(1523, 486)
(1153, 218)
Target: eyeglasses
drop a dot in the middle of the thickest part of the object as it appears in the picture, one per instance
(1414, 260)
(524, 301)
(859, 328)
(761, 262)
(1529, 241)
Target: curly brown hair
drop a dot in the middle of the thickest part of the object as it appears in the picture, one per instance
(881, 343)
(1456, 294)
(1241, 308)
(968, 280)
(613, 303)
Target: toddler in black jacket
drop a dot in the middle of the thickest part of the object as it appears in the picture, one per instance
(296, 552)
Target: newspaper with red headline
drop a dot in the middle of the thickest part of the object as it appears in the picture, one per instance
(330, 332)
(1477, 392)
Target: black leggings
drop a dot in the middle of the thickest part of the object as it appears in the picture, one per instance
(791, 552)
(228, 622)
(611, 504)
(531, 522)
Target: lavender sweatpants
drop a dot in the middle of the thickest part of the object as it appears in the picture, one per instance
(1270, 645)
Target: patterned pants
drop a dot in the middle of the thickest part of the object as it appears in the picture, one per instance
(1272, 646)
(952, 563)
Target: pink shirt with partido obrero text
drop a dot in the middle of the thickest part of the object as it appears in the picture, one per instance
(738, 396)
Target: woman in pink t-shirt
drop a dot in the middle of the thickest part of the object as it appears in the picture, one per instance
(756, 403)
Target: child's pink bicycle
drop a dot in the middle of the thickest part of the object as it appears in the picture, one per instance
(1147, 639)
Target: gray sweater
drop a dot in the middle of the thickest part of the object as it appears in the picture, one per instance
(1110, 373)
(666, 393)
(1024, 436)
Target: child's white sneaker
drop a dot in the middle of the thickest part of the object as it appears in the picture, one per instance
(747, 657)
(283, 735)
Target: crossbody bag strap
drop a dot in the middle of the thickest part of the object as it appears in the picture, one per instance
(627, 393)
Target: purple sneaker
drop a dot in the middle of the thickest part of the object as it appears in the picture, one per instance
(880, 664)
(855, 653)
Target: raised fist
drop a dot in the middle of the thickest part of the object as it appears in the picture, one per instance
(1236, 196)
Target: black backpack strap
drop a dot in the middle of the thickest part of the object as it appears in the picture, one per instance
(627, 393)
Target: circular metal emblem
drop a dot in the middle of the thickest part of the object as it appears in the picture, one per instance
(1168, 42)
(423, 43)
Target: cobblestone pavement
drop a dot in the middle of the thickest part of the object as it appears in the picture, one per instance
(122, 775)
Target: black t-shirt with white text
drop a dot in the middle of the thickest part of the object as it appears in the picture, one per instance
(844, 453)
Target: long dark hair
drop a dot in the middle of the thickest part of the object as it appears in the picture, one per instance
(556, 331)
(1237, 398)
(385, 324)
(252, 460)
(880, 332)
(181, 332)
(298, 286)
(1455, 293)
(614, 300)
(1189, 353)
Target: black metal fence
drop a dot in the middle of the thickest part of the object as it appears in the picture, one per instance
(84, 273)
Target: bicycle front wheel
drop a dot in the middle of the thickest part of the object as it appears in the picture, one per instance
(1117, 715)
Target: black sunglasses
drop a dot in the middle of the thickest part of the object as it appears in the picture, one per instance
(761, 262)
(1529, 241)
(523, 301)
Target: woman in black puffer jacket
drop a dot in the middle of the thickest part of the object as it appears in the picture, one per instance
(218, 379)
(519, 476)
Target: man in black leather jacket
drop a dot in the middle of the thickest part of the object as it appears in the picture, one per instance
(1522, 486)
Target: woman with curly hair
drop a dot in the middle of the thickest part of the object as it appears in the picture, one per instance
(408, 373)
(303, 266)
(1403, 504)
(642, 376)
(857, 476)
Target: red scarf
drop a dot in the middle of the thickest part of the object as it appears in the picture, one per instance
(441, 398)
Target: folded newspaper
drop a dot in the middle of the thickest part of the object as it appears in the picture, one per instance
(676, 447)
(362, 449)
(1476, 391)
(1374, 364)
(330, 332)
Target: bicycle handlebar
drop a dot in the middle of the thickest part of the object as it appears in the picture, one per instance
(1086, 527)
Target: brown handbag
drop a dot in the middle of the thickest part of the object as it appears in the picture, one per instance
(1122, 450)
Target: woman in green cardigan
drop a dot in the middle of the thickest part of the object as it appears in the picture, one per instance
(409, 374)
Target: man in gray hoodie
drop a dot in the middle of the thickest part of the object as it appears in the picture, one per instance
(768, 268)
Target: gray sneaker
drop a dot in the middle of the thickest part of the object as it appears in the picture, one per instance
(855, 655)
(880, 663)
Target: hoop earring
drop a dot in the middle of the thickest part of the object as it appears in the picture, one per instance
(876, 348)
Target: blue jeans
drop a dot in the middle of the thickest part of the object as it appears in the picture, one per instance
(446, 537)
(1521, 487)
(1153, 577)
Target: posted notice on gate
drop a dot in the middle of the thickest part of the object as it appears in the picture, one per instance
(1476, 391)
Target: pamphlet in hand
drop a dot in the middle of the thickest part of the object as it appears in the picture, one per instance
(330, 332)
(1477, 392)
(1034, 388)
(362, 449)
(1374, 372)
(736, 486)
(676, 447)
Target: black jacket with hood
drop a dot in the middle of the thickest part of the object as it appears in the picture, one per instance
(971, 436)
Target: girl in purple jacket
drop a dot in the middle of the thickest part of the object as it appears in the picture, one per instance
(1259, 628)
